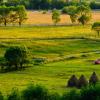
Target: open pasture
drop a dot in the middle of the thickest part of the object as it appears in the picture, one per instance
(77, 55)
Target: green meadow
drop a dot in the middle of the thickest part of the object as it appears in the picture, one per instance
(67, 49)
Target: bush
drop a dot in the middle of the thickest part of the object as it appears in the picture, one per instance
(38, 61)
(1, 96)
(73, 81)
(82, 82)
(72, 95)
(54, 96)
(35, 93)
(93, 79)
(96, 27)
(14, 95)
(15, 56)
(90, 93)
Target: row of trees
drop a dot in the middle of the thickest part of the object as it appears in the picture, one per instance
(48, 4)
(37, 92)
(81, 14)
(12, 15)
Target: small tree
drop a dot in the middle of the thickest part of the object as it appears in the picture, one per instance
(93, 79)
(96, 27)
(84, 13)
(35, 93)
(55, 16)
(16, 56)
(82, 82)
(4, 14)
(73, 81)
(21, 14)
(72, 12)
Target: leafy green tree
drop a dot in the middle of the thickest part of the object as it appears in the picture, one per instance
(84, 19)
(21, 14)
(4, 14)
(56, 16)
(35, 93)
(72, 12)
(16, 56)
(84, 13)
(96, 27)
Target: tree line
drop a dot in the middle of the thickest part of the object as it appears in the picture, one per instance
(38, 92)
(12, 15)
(47, 4)
(81, 13)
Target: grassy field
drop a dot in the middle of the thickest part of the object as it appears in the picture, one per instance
(77, 55)
(35, 17)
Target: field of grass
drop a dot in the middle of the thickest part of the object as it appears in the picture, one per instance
(76, 54)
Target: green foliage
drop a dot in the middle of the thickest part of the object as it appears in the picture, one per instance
(90, 93)
(1, 96)
(15, 56)
(56, 16)
(84, 12)
(12, 14)
(21, 13)
(38, 61)
(71, 95)
(72, 12)
(96, 27)
(54, 96)
(73, 81)
(35, 93)
(14, 95)
(84, 19)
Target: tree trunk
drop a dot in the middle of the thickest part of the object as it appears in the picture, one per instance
(5, 22)
(20, 23)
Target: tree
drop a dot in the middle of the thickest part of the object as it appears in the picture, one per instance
(84, 19)
(72, 12)
(21, 14)
(4, 14)
(73, 81)
(96, 27)
(93, 79)
(16, 56)
(84, 13)
(82, 82)
(55, 16)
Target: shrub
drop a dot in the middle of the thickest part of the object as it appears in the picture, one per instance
(1, 96)
(54, 96)
(82, 82)
(96, 27)
(16, 56)
(90, 93)
(35, 93)
(93, 79)
(14, 95)
(38, 61)
(72, 95)
(73, 81)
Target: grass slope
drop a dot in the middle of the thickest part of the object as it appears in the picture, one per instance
(80, 54)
